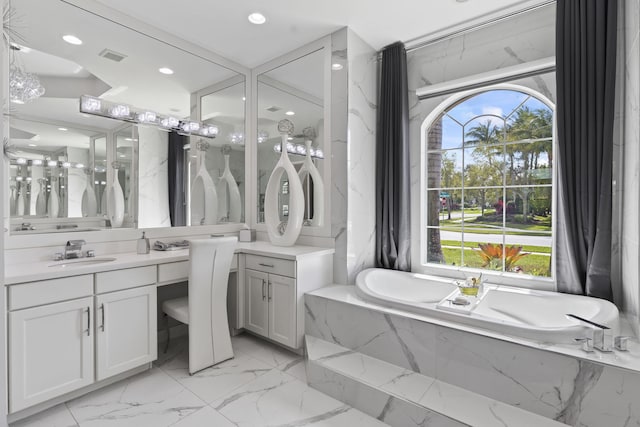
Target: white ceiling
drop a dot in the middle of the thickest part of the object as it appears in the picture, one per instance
(222, 26)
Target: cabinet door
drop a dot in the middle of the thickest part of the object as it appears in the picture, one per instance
(50, 351)
(282, 309)
(257, 306)
(126, 330)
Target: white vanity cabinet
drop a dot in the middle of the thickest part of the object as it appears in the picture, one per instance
(274, 294)
(50, 344)
(126, 332)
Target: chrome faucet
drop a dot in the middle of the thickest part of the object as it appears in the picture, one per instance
(602, 339)
(73, 249)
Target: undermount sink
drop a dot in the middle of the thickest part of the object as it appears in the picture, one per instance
(86, 261)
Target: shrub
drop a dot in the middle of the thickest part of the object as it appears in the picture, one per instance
(491, 255)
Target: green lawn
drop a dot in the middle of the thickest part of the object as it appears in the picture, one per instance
(474, 245)
(536, 265)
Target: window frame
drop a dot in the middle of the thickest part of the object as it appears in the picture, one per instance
(458, 272)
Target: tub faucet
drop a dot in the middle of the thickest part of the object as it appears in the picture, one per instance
(602, 338)
(73, 249)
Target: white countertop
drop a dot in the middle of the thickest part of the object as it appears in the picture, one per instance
(42, 270)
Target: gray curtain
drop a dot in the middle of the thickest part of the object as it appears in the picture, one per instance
(585, 75)
(393, 209)
(177, 200)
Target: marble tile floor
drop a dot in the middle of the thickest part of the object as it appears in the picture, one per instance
(264, 385)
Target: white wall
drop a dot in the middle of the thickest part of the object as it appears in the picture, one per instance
(361, 161)
(629, 58)
(153, 176)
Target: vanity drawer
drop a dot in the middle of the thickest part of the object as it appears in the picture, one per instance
(116, 280)
(173, 272)
(49, 291)
(283, 267)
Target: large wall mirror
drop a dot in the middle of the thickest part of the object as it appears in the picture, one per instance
(74, 170)
(298, 90)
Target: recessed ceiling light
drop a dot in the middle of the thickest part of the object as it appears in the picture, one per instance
(290, 113)
(336, 67)
(63, 129)
(71, 39)
(165, 70)
(257, 18)
(244, 98)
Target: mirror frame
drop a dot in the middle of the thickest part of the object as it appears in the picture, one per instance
(52, 242)
(323, 44)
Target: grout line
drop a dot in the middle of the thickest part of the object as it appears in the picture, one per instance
(71, 413)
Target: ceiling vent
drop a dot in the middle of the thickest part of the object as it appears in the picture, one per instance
(273, 109)
(112, 55)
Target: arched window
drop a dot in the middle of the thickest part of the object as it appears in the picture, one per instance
(488, 183)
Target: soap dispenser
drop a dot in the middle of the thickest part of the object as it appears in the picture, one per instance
(143, 245)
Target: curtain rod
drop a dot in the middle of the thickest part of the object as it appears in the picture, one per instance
(527, 69)
(465, 30)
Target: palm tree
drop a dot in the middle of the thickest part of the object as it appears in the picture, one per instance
(434, 177)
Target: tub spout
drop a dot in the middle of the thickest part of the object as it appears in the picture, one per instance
(602, 338)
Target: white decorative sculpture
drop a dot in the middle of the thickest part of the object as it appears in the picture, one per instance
(296, 196)
(20, 203)
(204, 198)
(309, 171)
(115, 199)
(12, 200)
(228, 183)
(41, 199)
(89, 201)
(53, 206)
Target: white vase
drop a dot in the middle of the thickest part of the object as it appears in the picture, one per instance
(41, 200)
(204, 198)
(309, 171)
(89, 202)
(296, 201)
(20, 203)
(115, 202)
(12, 201)
(53, 205)
(228, 182)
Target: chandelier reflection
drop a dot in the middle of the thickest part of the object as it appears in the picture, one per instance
(23, 86)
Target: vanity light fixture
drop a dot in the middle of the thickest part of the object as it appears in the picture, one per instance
(71, 39)
(290, 113)
(52, 163)
(262, 136)
(63, 129)
(21, 161)
(257, 18)
(79, 166)
(36, 162)
(166, 70)
(336, 67)
(100, 107)
(300, 150)
(66, 165)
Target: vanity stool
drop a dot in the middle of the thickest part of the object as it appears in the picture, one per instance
(205, 308)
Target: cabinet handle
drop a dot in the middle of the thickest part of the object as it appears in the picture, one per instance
(264, 293)
(270, 287)
(266, 265)
(88, 331)
(102, 309)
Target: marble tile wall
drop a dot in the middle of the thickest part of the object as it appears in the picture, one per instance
(361, 146)
(153, 175)
(339, 137)
(517, 40)
(570, 390)
(629, 58)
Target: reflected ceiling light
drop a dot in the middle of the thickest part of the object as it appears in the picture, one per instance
(63, 129)
(244, 98)
(165, 70)
(36, 162)
(129, 114)
(336, 67)
(66, 165)
(52, 163)
(290, 113)
(32, 145)
(21, 161)
(130, 139)
(257, 18)
(262, 136)
(79, 165)
(71, 39)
